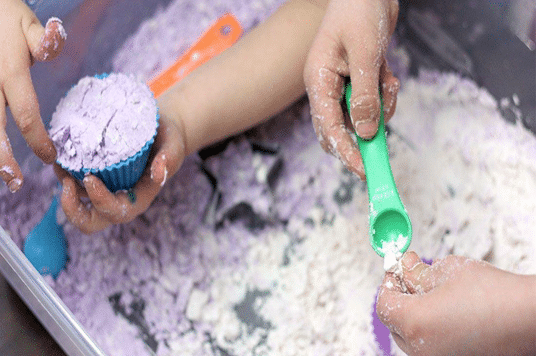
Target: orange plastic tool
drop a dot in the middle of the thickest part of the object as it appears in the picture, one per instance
(220, 36)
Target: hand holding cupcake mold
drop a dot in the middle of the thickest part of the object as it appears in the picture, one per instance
(105, 126)
(23, 42)
(104, 130)
(116, 146)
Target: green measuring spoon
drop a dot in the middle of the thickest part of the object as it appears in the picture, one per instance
(390, 227)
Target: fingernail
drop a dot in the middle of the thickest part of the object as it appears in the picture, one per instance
(65, 187)
(88, 180)
(410, 260)
(59, 24)
(51, 153)
(14, 185)
(367, 129)
(165, 177)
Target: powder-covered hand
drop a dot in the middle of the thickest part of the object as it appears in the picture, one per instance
(459, 306)
(106, 208)
(23, 41)
(351, 42)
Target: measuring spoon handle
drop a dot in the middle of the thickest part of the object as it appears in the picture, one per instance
(389, 220)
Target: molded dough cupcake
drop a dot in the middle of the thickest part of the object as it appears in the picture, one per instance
(105, 126)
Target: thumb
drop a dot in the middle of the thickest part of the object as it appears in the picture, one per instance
(365, 100)
(45, 43)
(416, 274)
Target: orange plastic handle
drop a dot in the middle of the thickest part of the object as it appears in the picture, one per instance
(220, 36)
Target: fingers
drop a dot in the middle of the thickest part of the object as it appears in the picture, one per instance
(416, 274)
(112, 208)
(323, 76)
(333, 134)
(365, 99)
(80, 214)
(9, 169)
(392, 304)
(104, 209)
(62, 174)
(20, 95)
(421, 278)
(16, 89)
(107, 208)
(337, 53)
(390, 87)
(169, 147)
(393, 15)
(336, 139)
(324, 80)
(366, 56)
(397, 309)
(45, 43)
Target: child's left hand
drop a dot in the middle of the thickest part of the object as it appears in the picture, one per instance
(23, 41)
(459, 306)
(106, 208)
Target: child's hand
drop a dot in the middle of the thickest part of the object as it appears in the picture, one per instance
(351, 42)
(23, 40)
(106, 208)
(459, 306)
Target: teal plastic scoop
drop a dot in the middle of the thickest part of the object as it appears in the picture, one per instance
(45, 246)
(390, 227)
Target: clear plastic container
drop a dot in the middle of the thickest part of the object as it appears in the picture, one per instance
(51, 81)
(92, 54)
(43, 301)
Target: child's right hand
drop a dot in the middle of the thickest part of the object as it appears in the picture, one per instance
(351, 42)
(459, 306)
(23, 41)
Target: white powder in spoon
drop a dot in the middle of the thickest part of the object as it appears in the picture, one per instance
(392, 255)
(392, 251)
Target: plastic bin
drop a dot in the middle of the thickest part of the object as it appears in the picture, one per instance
(43, 301)
(50, 86)
(51, 82)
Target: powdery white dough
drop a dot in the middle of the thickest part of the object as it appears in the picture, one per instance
(392, 255)
(392, 251)
(308, 285)
(471, 172)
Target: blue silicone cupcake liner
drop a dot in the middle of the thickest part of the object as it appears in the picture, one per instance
(122, 175)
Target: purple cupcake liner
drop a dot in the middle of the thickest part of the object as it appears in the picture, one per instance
(122, 175)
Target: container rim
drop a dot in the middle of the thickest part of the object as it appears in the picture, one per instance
(43, 301)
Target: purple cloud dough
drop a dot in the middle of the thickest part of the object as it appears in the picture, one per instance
(101, 122)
